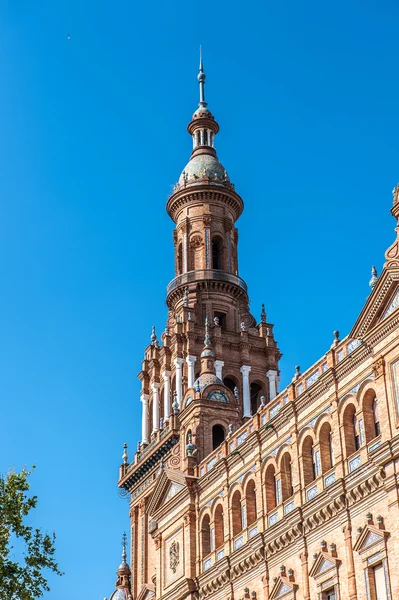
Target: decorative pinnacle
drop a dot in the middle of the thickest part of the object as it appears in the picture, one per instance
(263, 314)
(153, 335)
(207, 340)
(124, 455)
(374, 277)
(201, 81)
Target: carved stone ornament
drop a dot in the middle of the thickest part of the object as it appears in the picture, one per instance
(392, 254)
(158, 540)
(379, 367)
(196, 241)
(207, 220)
(174, 557)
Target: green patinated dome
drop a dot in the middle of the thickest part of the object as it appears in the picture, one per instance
(201, 166)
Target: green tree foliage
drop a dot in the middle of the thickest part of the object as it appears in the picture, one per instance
(22, 579)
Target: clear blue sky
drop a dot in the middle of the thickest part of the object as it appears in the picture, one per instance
(92, 137)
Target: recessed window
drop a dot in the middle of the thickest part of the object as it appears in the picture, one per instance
(222, 319)
(217, 436)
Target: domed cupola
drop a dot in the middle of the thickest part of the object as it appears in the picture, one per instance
(204, 165)
(122, 584)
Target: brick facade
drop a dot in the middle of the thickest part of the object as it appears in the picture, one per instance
(239, 490)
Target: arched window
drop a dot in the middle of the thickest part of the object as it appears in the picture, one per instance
(377, 428)
(256, 392)
(270, 483)
(371, 416)
(308, 461)
(217, 436)
(219, 526)
(326, 449)
(250, 499)
(287, 489)
(351, 430)
(229, 383)
(217, 253)
(205, 137)
(205, 536)
(236, 512)
(180, 259)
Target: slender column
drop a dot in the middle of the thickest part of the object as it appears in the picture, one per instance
(185, 266)
(245, 370)
(166, 394)
(351, 563)
(190, 360)
(178, 362)
(272, 377)
(202, 137)
(144, 419)
(155, 407)
(219, 364)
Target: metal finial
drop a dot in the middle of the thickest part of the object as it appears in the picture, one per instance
(336, 336)
(124, 455)
(263, 314)
(374, 277)
(153, 335)
(201, 81)
(124, 543)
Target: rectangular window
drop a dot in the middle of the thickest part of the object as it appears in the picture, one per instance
(379, 582)
(329, 594)
(221, 319)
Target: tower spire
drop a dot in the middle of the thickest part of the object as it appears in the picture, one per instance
(201, 81)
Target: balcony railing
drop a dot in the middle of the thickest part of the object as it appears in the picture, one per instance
(202, 275)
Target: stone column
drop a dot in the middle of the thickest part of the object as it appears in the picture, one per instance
(178, 362)
(166, 394)
(190, 360)
(245, 370)
(155, 407)
(272, 377)
(219, 364)
(144, 419)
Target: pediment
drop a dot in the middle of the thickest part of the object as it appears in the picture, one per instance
(283, 588)
(170, 483)
(370, 536)
(382, 302)
(323, 563)
(147, 592)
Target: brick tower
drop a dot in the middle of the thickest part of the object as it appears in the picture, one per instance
(237, 489)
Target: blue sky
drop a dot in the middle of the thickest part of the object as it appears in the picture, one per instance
(92, 137)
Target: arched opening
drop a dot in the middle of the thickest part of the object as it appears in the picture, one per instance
(219, 526)
(180, 259)
(370, 415)
(205, 536)
(256, 392)
(326, 449)
(287, 489)
(351, 430)
(230, 383)
(250, 499)
(236, 512)
(270, 483)
(217, 253)
(308, 461)
(218, 436)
